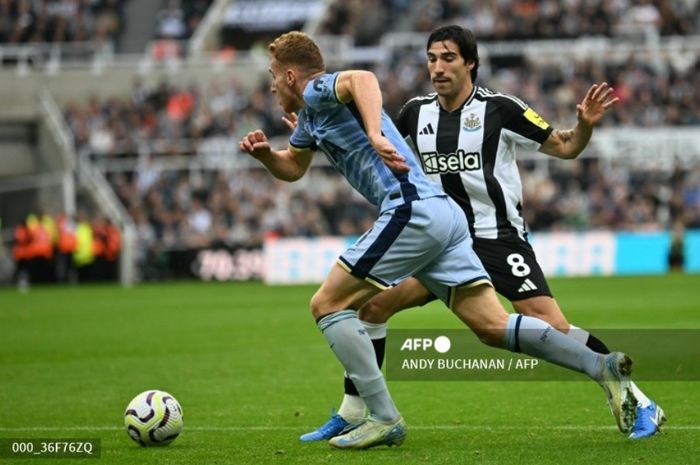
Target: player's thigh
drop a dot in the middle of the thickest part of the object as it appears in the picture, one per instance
(456, 266)
(545, 308)
(479, 308)
(409, 293)
(341, 291)
(513, 268)
(400, 243)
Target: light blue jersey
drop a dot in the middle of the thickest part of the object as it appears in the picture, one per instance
(420, 231)
(337, 129)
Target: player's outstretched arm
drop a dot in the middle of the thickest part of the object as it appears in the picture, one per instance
(362, 87)
(288, 165)
(570, 143)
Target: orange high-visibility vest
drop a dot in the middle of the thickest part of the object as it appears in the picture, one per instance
(66, 235)
(20, 249)
(113, 243)
(40, 241)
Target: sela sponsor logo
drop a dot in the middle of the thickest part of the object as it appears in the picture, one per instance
(441, 344)
(436, 163)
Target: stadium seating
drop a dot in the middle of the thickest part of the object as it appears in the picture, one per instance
(516, 19)
(164, 133)
(25, 21)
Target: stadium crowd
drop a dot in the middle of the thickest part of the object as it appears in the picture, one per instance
(176, 211)
(528, 19)
(181, 209)
(168, 119)
(366, 20)
(161, 119)
(659, 94)
(23, 21)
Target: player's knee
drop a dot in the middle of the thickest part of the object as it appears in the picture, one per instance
(545, 309)
(490, 337)
(480, 309)
(490, 327)
(375, 312)
(319, 306)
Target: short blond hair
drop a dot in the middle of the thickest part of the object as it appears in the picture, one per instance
(297, 48)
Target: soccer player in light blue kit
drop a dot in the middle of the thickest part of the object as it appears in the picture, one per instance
(420, 232)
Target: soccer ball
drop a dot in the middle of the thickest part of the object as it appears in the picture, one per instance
(153, 418)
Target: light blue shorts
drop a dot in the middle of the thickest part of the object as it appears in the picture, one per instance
(427, 239)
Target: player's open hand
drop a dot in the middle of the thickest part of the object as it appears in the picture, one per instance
(391, 157)
(291, 120)
(593, 106)
(256, 144)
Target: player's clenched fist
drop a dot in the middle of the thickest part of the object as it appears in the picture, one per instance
(255, 143)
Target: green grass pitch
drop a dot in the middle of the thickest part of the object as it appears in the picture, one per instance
(253, 372)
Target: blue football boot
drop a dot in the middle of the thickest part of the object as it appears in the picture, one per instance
(330, 429)
(649, 421)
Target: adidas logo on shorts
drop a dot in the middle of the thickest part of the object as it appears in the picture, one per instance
(527, 286)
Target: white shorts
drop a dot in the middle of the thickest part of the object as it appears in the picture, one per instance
(427, 239)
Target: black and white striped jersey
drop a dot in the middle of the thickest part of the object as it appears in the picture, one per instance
(471, 153)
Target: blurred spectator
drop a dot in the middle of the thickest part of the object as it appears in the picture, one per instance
(67, 243)
(171, 21)
(178, 19)
(22, 255)
(41, 249)
(106, 244)
(364, 20)
(84, 254)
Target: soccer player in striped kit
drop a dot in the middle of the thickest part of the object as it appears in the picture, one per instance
(466, 137)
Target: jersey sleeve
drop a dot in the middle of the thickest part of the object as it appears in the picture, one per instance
(523, 121)
(320, 93)
(406, 121)
(402, 121)
(300, 138)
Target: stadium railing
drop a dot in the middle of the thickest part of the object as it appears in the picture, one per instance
(206, 36)
(95, 184)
